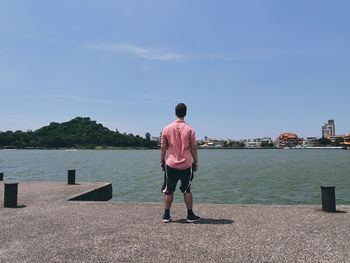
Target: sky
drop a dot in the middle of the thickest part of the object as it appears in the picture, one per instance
(245, 69)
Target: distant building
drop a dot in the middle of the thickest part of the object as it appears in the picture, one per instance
(252, 144)
(334, 138)
(289, 140)
(160, 140)
(311, 141)
(267, 140)
(257, 142)
(212, 142)
(328, 129)
(346, 143)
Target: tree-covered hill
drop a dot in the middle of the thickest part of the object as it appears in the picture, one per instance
(79, 132)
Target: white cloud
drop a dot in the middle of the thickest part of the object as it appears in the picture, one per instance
(148, 53)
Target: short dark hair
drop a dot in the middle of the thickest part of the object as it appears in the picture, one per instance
(180, 110)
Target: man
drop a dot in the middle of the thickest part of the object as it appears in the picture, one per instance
(180, 147)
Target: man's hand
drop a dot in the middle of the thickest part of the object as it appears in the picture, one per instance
(195, 166)
(162, 166)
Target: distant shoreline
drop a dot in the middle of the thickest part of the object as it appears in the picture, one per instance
(310, 148)
(79, 149)
(146, 148)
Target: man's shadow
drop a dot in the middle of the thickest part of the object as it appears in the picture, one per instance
(206, 221)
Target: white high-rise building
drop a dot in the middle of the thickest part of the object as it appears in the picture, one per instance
(328, 129)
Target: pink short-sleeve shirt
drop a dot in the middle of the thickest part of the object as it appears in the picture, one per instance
(178, 137)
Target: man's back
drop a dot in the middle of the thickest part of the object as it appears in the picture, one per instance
(179, 146)
(179, 137)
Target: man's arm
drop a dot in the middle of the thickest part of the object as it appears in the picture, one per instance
(162, 157)
(193, 148)
(194, 156)
(163, 147)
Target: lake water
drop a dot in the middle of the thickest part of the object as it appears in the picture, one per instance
(224, 176)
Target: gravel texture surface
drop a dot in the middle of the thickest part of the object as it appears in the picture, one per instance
(47, 228)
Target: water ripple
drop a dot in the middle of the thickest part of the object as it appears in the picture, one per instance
(225, 176)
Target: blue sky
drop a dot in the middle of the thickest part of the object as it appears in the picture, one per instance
(245, 69)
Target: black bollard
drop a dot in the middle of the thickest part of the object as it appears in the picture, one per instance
(71, 176)
(10, 196)
(328, 198)
(1, 176)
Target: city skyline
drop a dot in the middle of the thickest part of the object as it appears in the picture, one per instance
(244, 69)
(324, 133)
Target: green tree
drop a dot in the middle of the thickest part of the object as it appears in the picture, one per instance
(79, 132)
(241, 145)
(324, 141)
(338, 141)
(264, 144)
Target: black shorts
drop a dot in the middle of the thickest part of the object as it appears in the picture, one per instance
(172, 176)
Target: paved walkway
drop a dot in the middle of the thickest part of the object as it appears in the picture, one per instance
(48, 228)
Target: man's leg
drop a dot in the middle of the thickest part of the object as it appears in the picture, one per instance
(168, 199)
(188, 200)
(191, 217)
(186, 181)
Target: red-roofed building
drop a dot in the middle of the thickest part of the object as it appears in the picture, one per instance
(346, 143)
(289, 140)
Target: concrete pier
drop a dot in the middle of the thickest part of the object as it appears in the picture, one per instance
(48, 228)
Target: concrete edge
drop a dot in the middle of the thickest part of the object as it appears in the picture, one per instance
(103, 193)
